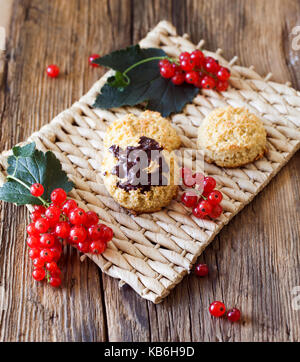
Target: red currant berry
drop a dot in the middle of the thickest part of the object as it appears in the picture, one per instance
(77, 216)
(36, 190)
(33, 241)
(52, 214)
(52, 71)
(46, 255)
(189, 199)
(185, 171)
(223, 73)
(184, 56)
(198, 83)
(68, 206)
(41, 225)
(198, 56)
(222, 85)
(178, 78)
(189, 180)
(163, 62)
(91, 218)
(84, 247)
(192, 77)
(205, 207)
(95, 232)
(217, 309)
(167, 71)
(78, 234)
(215, 197)
(47, 240)
(31, 230)
(216, 212)
(58, 196)
(62, 229)
(201, 270)
(106, 233)
(97, 247)
(55, 281)
(209, 184)
(38, 274)
(233, 315)
(56, 253)
(52, 266)
(208, 82)
(56, 272)
(35, 215)
(38, 262)
(93, 57)
(34, 253)
(187, 64)
(211, 65)
(40, 208)
(199, 178)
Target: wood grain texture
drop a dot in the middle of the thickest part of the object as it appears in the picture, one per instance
(254, 261)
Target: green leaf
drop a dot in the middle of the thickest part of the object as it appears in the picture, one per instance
(146, 83)
(118, 81)
(29, 165)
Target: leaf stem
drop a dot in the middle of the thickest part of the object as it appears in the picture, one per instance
(10, 177)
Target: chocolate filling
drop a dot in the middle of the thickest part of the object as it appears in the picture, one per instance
(133, 165)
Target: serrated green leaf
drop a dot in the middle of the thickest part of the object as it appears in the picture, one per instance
(146, 83)
(29, 165)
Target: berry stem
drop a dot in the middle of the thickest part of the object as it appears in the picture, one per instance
(142, 62)
(10, 177)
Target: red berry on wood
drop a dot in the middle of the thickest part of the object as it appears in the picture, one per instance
(33, 241)
(184, 55)
(189, 199)
(211, 65)
(58, 196)
(56, 253)
(62, 229)
(55, 281)
(40, 208)
(233, 315)
(47, 240)
(52, 214)
(37, 190)
(201, 270)
(31, 230)
(217, 309)
(163, 62)
(38, 274)
(92, 57)
(84, 247)
(205, 207)
(52, 266)
(94, 232)
(46, 255)
(178, 78)
(38, 262)
(34, 253)
(52, 71)
(167, 71)
(42, 225)
(187, 64)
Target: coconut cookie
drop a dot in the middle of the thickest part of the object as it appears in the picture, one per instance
(138, 170)
(232, 137)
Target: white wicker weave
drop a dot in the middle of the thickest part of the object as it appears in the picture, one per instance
(153, 252)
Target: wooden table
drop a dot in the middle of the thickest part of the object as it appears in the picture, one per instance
(255, 260)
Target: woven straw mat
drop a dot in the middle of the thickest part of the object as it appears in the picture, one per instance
(153, 252)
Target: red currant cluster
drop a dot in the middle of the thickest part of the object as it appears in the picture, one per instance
(61, 222)
(197, 69)
(208, 204)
